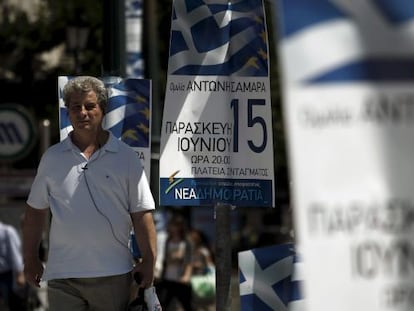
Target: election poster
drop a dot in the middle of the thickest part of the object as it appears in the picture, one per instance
(128, 115)
(348, 91)
(216, 135)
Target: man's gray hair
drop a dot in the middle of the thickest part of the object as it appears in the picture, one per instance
(85, 84)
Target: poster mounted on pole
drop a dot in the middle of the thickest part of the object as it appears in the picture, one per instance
(128, 116)
(216, 135)
(348, 80)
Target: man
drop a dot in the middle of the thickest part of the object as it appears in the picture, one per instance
(94, 185)
(11, 267)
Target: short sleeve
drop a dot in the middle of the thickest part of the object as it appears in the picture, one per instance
(140, 195)
(39, 196)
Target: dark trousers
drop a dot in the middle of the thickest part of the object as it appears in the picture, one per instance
(168, 290)
(11, 300)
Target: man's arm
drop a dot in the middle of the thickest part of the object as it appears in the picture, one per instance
(146, 237)
(33, 225)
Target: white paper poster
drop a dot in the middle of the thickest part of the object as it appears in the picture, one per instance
(216, 135)
(348, 73)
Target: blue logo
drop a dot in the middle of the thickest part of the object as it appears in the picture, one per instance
(17, 132)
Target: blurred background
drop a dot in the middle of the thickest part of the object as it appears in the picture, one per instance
(43, 39)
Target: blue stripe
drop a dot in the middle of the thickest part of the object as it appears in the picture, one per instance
(118, 101)
(179, 43)
(204, 41)
(64, 118)
(235, 63)
(296, 290)
(267, 256)
(378, 70)
(141, 86)
(299, 14)
(131, 105)
(283, 289)
(396, 11)
(193, 4)
(253, 303)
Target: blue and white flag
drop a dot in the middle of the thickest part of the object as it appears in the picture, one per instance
(128, 116)
(348, 80)
(270, 279)
(134, 28)
(216, 137)
(341, 41)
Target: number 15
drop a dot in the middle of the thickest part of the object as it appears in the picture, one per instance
(251, 121)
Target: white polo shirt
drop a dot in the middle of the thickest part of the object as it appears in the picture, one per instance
(90, 207)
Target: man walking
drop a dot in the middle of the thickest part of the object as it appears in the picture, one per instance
(96, 189)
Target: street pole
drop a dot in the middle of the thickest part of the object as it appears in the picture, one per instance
(152, 69)
(223, 256)
(114, 59)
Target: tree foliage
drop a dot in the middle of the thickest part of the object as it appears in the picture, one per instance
(26, 76)
(27, 35)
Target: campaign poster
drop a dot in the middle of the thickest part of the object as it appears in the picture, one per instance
(347, 75)
(216, 135)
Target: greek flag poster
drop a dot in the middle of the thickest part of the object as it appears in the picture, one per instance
(128, 114)
(270, 279)
(134, 28)
(348, 91)
(216, 135)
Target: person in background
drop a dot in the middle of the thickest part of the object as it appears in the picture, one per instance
(176, 277)
(96, 190)
(202, 255)
(11, 268)
(203, 265)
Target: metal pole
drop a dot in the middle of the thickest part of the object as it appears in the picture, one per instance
(152, 69)
(223, 256)
(44, 130)
(114, 38)
(152, 61)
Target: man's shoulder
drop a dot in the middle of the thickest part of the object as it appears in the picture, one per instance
(59, 146)
(117, 145)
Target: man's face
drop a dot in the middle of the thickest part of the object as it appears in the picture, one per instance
(85, 112)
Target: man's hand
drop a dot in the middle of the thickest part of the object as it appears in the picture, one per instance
(145, 272)
(20, 279)
(146, 238)
(33, 223)
(33, 271)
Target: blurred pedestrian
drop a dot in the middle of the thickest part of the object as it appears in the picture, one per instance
(203, 279)
(12, 281)
(175, 284)
(96, 190)
(202, 254)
